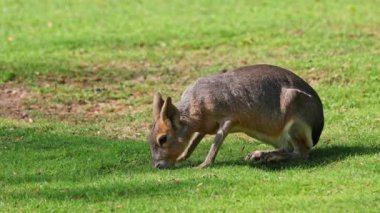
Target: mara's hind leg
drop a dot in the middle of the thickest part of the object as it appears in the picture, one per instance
(298, 144)
(301, 139)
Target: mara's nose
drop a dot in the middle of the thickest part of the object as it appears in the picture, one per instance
(161, 165)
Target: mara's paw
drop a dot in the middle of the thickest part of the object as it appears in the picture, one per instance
(264, 156)
(203, 165)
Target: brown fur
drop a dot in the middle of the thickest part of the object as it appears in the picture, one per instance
(266, 102)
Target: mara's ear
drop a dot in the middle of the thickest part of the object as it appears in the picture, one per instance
(170, 113)
(158, 102)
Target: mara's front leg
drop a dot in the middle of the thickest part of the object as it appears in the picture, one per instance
(191, 147)
(223, 130)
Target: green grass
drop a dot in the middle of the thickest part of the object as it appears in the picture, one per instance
(80, 54)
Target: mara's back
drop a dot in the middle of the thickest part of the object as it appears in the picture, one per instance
(252, 97)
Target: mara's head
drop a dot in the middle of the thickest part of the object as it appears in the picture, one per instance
(165, 138)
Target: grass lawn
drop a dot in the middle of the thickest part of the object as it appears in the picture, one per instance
(76, 86)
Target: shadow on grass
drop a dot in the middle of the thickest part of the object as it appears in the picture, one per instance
(38, 164)
(107, 191)
(320, 156)
(33, 155)
(130, 189)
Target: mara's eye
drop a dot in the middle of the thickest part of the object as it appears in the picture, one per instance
(162, 139)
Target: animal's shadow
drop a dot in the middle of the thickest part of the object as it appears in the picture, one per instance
(319, 157)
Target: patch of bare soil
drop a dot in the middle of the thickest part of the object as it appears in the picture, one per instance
(86, 111)
(111, 115)
(12, 102)
(171, 76)
(314, 77)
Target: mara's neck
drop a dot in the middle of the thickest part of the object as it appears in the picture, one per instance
(187, 127)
